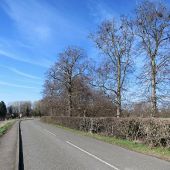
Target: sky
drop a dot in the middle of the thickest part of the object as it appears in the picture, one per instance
(33, 32)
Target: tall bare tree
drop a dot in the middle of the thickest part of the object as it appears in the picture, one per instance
(115, 42)
(152, 26)
(65, 71)
(51, 93)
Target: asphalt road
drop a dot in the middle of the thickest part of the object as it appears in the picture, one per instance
(46, 147)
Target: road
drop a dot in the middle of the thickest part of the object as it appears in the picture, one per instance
(46, 147)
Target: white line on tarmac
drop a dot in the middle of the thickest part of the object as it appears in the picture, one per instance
(49, 132)
(112, 166)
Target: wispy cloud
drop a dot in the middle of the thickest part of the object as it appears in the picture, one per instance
(31, 18)
(24, 74)
(21, 73)
(41, 29)
(43, 62)
(38, 21)
(16, 85)
(101, 11)
(10, 55)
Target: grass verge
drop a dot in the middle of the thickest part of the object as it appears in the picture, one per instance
(6, 127)
(159, 152)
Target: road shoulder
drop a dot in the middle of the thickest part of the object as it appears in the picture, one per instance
(8, 148)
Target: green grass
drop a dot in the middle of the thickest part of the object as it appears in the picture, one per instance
(162, 153)
(6, 127)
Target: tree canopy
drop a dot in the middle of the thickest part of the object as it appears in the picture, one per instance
(3, 110)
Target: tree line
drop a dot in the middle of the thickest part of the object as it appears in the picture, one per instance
(76, 86)
(19, 109)
(3, 110)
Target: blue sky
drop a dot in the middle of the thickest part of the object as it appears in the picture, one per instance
(33, 32)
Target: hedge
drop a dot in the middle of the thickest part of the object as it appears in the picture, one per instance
(151, 131)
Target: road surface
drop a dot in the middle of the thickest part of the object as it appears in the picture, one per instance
(46, 147)
(8, 149)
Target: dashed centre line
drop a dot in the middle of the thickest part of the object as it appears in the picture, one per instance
(88, 153)
(49, 132)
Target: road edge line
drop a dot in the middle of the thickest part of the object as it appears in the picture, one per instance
(99, 159)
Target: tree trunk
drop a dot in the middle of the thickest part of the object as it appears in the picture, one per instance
(118, 114)
(52, 112)
(153, 91)
(69, 103)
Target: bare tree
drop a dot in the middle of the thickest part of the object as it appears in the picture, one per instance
(82, 96)
(65, 71)
(51, 94)
(21, 107)
(152, 26)
(115, 42)
(25, 108)
(140, 109)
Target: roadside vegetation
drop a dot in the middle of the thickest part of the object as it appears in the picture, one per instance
(5, 126)
(149, 131)
(160, 152)
(3, 111)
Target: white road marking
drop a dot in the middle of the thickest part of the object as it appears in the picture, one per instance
(49, 132)
(112, 166)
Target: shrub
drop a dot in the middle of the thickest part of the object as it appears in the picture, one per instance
(151, 131)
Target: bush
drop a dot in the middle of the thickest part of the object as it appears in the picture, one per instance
(151, 131)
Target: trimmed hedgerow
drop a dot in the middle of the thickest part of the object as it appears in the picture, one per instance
(151, 131)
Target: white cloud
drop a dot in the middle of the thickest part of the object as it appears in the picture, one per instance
(16, 85)
(31, 18)
(43, 62)
(21, 73)
(101, 11)
(38, 21)
(24, 74)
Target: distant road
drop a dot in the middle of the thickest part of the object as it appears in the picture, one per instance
(46, 147)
